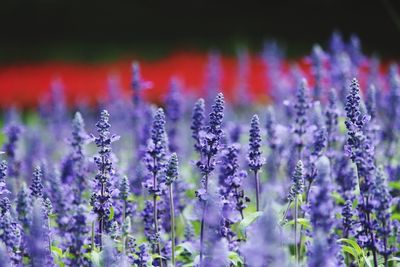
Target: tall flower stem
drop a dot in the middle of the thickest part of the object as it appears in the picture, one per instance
(255, 159)
(202, 224)
(372, 236)
(155, 215)
(172, 215)
(171, 176)
(210, 146)
(92, 237)
(296, 190)
(257, 180)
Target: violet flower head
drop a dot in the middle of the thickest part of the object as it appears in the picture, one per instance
(321, 203)
(371, 101)
(79, 230)
(297, 187)
(352, 108)
(210, 138)
(38, 247)
(37, 186)
(382, 201)
(301, 107)
(24, 206)
(103, 142)
(79, 136)
(213, 74)
(358, 145)
(157, 148)
(216, 116)
(172, 169)
(101, 196)
(331, 121)
(198, 122)
(11, 236)
(270, 126)
(138, 84)
(318, 59)
(3, 174)
(124, 188)
(322, 253)
(336, 43)
(347, 218)
(174, 103)
(13, 133)
(255, 159)
(228, 167)
(143, 255)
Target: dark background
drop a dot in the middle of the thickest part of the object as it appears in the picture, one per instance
(103, 30)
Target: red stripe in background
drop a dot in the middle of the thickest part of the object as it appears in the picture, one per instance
(26, 84)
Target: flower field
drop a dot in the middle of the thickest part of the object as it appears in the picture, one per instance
(293, 163)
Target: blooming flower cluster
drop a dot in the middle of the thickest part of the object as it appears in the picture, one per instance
(311, 179)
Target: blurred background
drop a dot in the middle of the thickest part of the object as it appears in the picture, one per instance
(81, 43)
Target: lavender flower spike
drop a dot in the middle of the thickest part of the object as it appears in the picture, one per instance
(37, 186)
(101, 197)
(302, 107)
(198, 118)
(172, 175)
(255, 160)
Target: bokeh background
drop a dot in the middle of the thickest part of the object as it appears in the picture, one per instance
(79, 44)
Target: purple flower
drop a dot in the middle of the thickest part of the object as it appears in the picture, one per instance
(301, 107)
(13, 132)
(347, 218)
(318, 59)
(382, 201)
(172, 169)
(37, 186)
(297, 187)
(331, 122)
(255, 160)
(37, 239)
(101, 197)
(263, 245)
(197, 126)
(174, 114)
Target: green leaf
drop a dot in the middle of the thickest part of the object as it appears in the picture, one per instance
(353, 244)
(112, 212)
(367, 261)
(302, 221)
(246, 222)
(235, 259)
(95, 258)
(57, 251)
(338, 198)
(350, 250)
(395, 185)
(186, 246)
(395, 216)
(131, 198)
(196, 227)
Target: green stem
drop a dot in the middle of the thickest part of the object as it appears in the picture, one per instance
(93, 236)
(172, 214)
(123, 222)
(257, 190)
(48, 225)
(155, 212)
(202, 225)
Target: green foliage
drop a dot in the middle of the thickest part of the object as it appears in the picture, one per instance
(246, 222)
